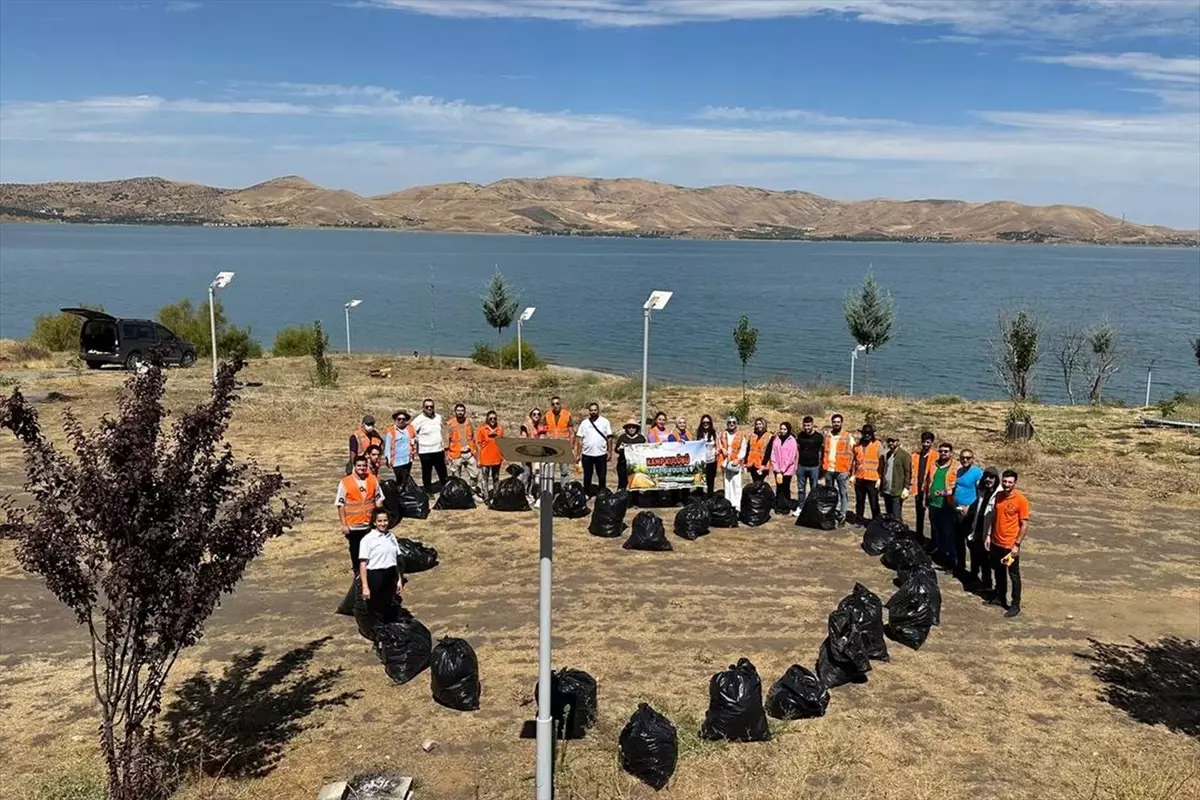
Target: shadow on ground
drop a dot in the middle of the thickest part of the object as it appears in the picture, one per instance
(237, 725)
(1157, 683)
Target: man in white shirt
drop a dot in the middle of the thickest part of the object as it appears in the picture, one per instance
(593, 447)
(431, 447)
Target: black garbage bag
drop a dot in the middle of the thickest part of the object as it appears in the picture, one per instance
(847, 644)
(571, 502)
(510, 496)
(799, 694)
(391, 502)
(927, 583)
(608, 514)
(903, 553)
(346, 607)
(721, 513)
(882, 530)
(784, 504)
(414, 503)
(833, 673)
(914, 608)
(735, 706)
(649, 747)
(573, 702)
(757, 502)
(691, 521)
(362, 614)
(647, 533)
(866, 612)
(404, 647)
(456, 496)
(415, 556)
(454, 674)
(820, 509)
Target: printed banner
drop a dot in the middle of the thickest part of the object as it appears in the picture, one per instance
(665, 465)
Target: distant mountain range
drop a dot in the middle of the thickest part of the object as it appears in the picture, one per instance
(576, 207)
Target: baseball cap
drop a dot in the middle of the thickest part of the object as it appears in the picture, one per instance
(368, 420)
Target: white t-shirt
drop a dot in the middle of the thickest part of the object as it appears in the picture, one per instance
(379, 549)
(594, 436)
(429, 433)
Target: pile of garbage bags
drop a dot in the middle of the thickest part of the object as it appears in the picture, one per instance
(571, 502)
(456, 496)
(647, 534)
(820, 509)
(757, 502)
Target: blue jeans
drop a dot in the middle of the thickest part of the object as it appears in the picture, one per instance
(838, 479)
(806, 481)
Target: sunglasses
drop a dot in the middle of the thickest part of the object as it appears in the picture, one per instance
(966, 458)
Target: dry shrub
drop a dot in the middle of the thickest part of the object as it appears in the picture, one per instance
(813, 407)
(21, 351)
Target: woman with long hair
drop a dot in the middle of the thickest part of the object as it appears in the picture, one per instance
(783, 464)
(705, 432)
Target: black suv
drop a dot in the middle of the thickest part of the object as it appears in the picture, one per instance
(105, 339)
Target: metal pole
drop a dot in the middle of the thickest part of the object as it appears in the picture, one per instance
(545, 713)
(853, 358)
(1149, 372)
(518, 346)
(212, 326)
(645, 364)
(347, 330)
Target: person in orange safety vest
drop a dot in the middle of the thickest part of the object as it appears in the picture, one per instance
(835, 463)
(758, 455)
(864, 465)
(358, 495)
(462, 450)
(559, 425)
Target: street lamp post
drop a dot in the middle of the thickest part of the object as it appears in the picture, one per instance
(525, 315)
(658, 300)
(853, 358)
(222, 280)
(1149, 372)
(350, 305)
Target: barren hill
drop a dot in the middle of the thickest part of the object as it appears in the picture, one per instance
(575, 206)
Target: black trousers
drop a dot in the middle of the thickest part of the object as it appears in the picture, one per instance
(921, 514)
(784, 490)
(1004, 574)
(598, 466)
(865, 490)
(383, 602)
(757, 474)
(354, 539)
(981, 564)
(960, 542)
(710, 476)
(429, 463)
(402, 474)
(622, 473)
(894, 505)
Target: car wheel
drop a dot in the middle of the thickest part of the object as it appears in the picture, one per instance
(188, 359)
(133, 360)
(94, 364)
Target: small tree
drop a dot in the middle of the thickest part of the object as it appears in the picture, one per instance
(869, 316)
(139, 535)
(1102, 362)
(59, 332)
(1069, 352)
(294, 340)
(499, 305)
(746, 340)
(192, 323)
(324, 373)
(1017, 353)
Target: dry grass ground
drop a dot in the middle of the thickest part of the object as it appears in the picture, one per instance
(989, 708)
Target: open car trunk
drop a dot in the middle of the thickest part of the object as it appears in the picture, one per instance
(99, 335)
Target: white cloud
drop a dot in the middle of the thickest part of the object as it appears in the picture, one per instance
(372, 138)
(1146, 66)
(1056, 19)
(181, 6)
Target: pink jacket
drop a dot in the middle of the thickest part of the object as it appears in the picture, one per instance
(783, 456)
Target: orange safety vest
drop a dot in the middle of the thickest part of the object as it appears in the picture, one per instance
(758, 450)
(487, 446)
(841, 461)
(461, 435)
(918, 482)
(654, 435)
(558, 428)
(365, 440)
(866, 461)
(360, 503)
(951, 478)
(735, 446)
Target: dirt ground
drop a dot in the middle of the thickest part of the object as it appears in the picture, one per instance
(988, 708)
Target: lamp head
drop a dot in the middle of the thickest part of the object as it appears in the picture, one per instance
(353, 303)
(222, 280)
(527, 313)
(658, 300)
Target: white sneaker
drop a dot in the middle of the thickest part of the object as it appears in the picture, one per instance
(796, 513)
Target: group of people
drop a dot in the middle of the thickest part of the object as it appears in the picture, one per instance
(977, 518)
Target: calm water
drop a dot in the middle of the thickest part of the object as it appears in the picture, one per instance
(589, 292)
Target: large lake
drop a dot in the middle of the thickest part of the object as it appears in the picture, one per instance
(421, 290)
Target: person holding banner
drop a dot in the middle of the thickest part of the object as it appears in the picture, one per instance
(731, 456)
(658, 431)
(708, 434)
(629, 435)
(680, 434)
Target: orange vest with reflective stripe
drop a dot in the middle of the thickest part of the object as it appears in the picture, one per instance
(360, 503)
(735, 447)
(558, 428)
(365, 440)
(758, 450)
(866, 461)
(461, 435)
(839, 462)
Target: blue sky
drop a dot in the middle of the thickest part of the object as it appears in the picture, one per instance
(1091, 102)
